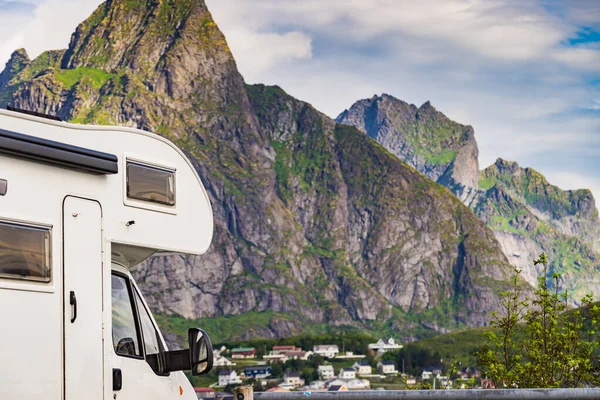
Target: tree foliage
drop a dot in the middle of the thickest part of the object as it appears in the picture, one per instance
(541, 343)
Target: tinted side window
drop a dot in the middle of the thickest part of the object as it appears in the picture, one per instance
(152, 343)
(24, 252)
(126, 340)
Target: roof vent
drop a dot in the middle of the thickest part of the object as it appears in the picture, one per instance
(35, 114)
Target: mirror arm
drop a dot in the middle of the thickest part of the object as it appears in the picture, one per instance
(177, 360)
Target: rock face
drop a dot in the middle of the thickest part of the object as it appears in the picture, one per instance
(528, 216)
(315, 223)
(526, 213)
(442, 150)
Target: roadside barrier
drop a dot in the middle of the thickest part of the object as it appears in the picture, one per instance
(487, 394)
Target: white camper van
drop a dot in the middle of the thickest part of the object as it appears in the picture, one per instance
(80, 206)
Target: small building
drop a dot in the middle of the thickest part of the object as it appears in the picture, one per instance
(337, 388)
(257, 371)
(243, 352)
(221, 361)
(362, 368)
(228, 377)
(386, 367)
(384, 345)
(218, 351)
(355, 384)
(276, 357)
(326, 372)
(283, 349)
(326, 350)
(205, 393)
(299, 355)
(445, 381)
(347, 373)
(349, 355)
(315, 385)
(293, 378)
(470, 372)
(277, 389)
(430, 372)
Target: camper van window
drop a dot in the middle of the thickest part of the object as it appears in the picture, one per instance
(152, 342)
(24, 252)
(155, 185)
(124, 327)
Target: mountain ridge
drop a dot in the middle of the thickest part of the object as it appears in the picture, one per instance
(527, 214)
(313, 220)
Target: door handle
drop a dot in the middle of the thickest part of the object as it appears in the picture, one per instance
(73, 302)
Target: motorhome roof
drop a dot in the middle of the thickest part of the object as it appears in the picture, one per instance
(135, 227)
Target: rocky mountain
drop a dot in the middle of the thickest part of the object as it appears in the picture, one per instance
(529, 215)
(526, 213)
(316, 225)
(441, 149)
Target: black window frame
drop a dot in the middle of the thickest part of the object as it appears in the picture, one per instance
(137, 313)
(136, 319)
(28, 279)
(131, 197)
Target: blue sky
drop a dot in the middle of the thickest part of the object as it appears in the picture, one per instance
(525, 74)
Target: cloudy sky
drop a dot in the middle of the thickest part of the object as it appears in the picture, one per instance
(525, 74)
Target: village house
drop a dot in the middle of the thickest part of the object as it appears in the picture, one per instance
(257, 371)
(284, 349)
(317, 385)
(469, 372)
(299, 355)
(205, 393)
(220, 361)
(228, 377)
(337, 388)
(410, 380)
(243, 352)
(326, 372)
(430, 372)
(362, 368)
(386, 367)
(293, 378)
(276, 357)
(326, 350)
(349, 355)
(445, 381)
(336, 382)
(217, 352)
(384, 345)
(347, 373)
(355, 384)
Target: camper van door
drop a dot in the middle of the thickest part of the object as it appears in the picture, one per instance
(82, 243)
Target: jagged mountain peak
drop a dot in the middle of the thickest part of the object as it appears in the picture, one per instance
(168, 44)
(19, 59)
(441, 149)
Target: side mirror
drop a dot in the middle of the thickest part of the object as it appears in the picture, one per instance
(126, 346)
(201, 351)
(198, 358)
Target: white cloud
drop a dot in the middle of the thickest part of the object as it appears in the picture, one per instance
(260, 51)
(580, 57)
(502, 30)
(572, 181)
(502, 66)
(45, 25)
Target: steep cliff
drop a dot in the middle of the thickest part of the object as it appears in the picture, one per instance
(527, 214)
(315, 223)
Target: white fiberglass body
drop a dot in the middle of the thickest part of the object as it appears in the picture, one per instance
(72, 321)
